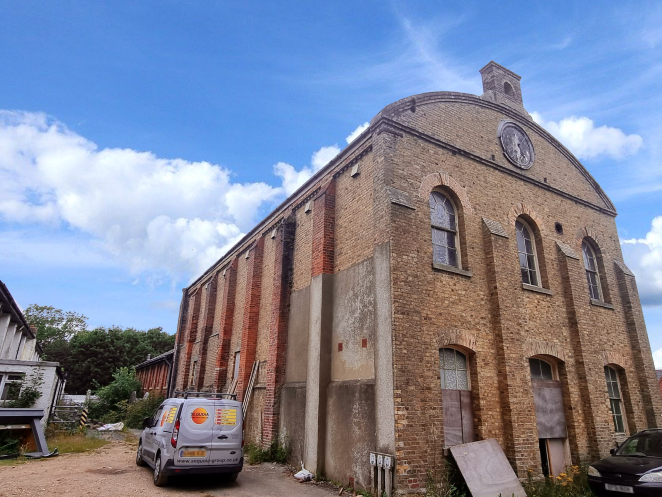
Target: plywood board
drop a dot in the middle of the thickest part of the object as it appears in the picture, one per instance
(486, 470)
(550, 418)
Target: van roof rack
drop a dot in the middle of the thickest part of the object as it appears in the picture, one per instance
(219, 395)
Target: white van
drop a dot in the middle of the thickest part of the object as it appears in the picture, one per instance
(199, 432)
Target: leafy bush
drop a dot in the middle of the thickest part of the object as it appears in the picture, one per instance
(110, 404)
(572, 483)
(8, 444)
(139, 410)
(274, 453)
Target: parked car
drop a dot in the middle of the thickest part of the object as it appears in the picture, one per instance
(634, 468)
(195, 435)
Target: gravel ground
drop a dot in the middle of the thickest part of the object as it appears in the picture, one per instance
(111, 471)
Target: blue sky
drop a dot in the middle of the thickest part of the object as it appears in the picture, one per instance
(139, 140)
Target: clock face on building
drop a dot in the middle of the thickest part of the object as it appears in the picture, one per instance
(516, 144)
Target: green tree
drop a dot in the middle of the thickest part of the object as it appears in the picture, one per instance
(93, 356)
(54, 324)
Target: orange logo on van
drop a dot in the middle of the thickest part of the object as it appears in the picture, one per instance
(199, 415)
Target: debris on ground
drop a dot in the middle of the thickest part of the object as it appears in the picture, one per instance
(112, 427)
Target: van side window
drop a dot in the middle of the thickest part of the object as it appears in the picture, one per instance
(157, 417)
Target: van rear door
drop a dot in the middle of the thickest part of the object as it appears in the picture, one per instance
(195, 433)
(228, 433)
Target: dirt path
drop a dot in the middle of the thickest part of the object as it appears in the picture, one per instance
(111, 471)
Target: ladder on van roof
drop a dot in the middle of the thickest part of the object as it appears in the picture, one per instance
(209, 395)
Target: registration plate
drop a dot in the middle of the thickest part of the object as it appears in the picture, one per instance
(619, 488)
(193, 453)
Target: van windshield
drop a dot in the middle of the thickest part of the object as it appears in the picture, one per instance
(644, 445)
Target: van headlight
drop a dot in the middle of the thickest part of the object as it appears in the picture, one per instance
(593, 472)
(652, 477)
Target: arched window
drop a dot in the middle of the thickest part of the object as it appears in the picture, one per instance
(592, 273)
(454, 370)
(541, 370)
(615, 399)
(526, 246)
(508, 89)
(443, 217)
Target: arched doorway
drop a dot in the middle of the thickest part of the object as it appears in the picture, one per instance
(456, 397)
(550, 415)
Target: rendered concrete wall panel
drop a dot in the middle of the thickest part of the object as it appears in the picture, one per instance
(297, 336)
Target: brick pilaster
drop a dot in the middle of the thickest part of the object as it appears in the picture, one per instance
(320, 328)
(516, 396)
(225, 328)
(207, 327)
(324, 220)
(191, 337)
(587, 359)
(179, 343)
(280, 306)
(644, 367)
(251, 316)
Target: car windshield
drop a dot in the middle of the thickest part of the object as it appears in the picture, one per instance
(643, 445)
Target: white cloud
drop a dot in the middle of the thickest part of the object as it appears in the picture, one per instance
(586, 141)
(156, 215)
(644, 258)
(657, 358)
(162, 218)
(293, 179)
(323, 156)
(357, 132)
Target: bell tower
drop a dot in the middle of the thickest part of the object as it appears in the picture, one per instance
(502, 86)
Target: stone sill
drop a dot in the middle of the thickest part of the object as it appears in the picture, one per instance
(537, 289)
(600, 303)
(451, 269)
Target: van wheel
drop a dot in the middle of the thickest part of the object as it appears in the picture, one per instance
(230, 477)
(139, 455)
(159, 478)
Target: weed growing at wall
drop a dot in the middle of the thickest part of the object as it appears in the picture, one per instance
(445, 481)
(274, 453)
(572, 483)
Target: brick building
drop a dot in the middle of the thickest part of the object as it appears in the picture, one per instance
(453, 275)
(154, 374)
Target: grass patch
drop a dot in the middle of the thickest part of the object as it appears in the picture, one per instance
(74, 443)
(274, 453)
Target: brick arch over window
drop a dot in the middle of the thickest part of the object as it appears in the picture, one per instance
(541, 347)
(615, 358)
(587, 232)
(527, 212)
(442, 178)
(455, 337)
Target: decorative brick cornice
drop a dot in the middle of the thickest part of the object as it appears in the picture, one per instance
(541, 347)
(453, 336)
(442, 178)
